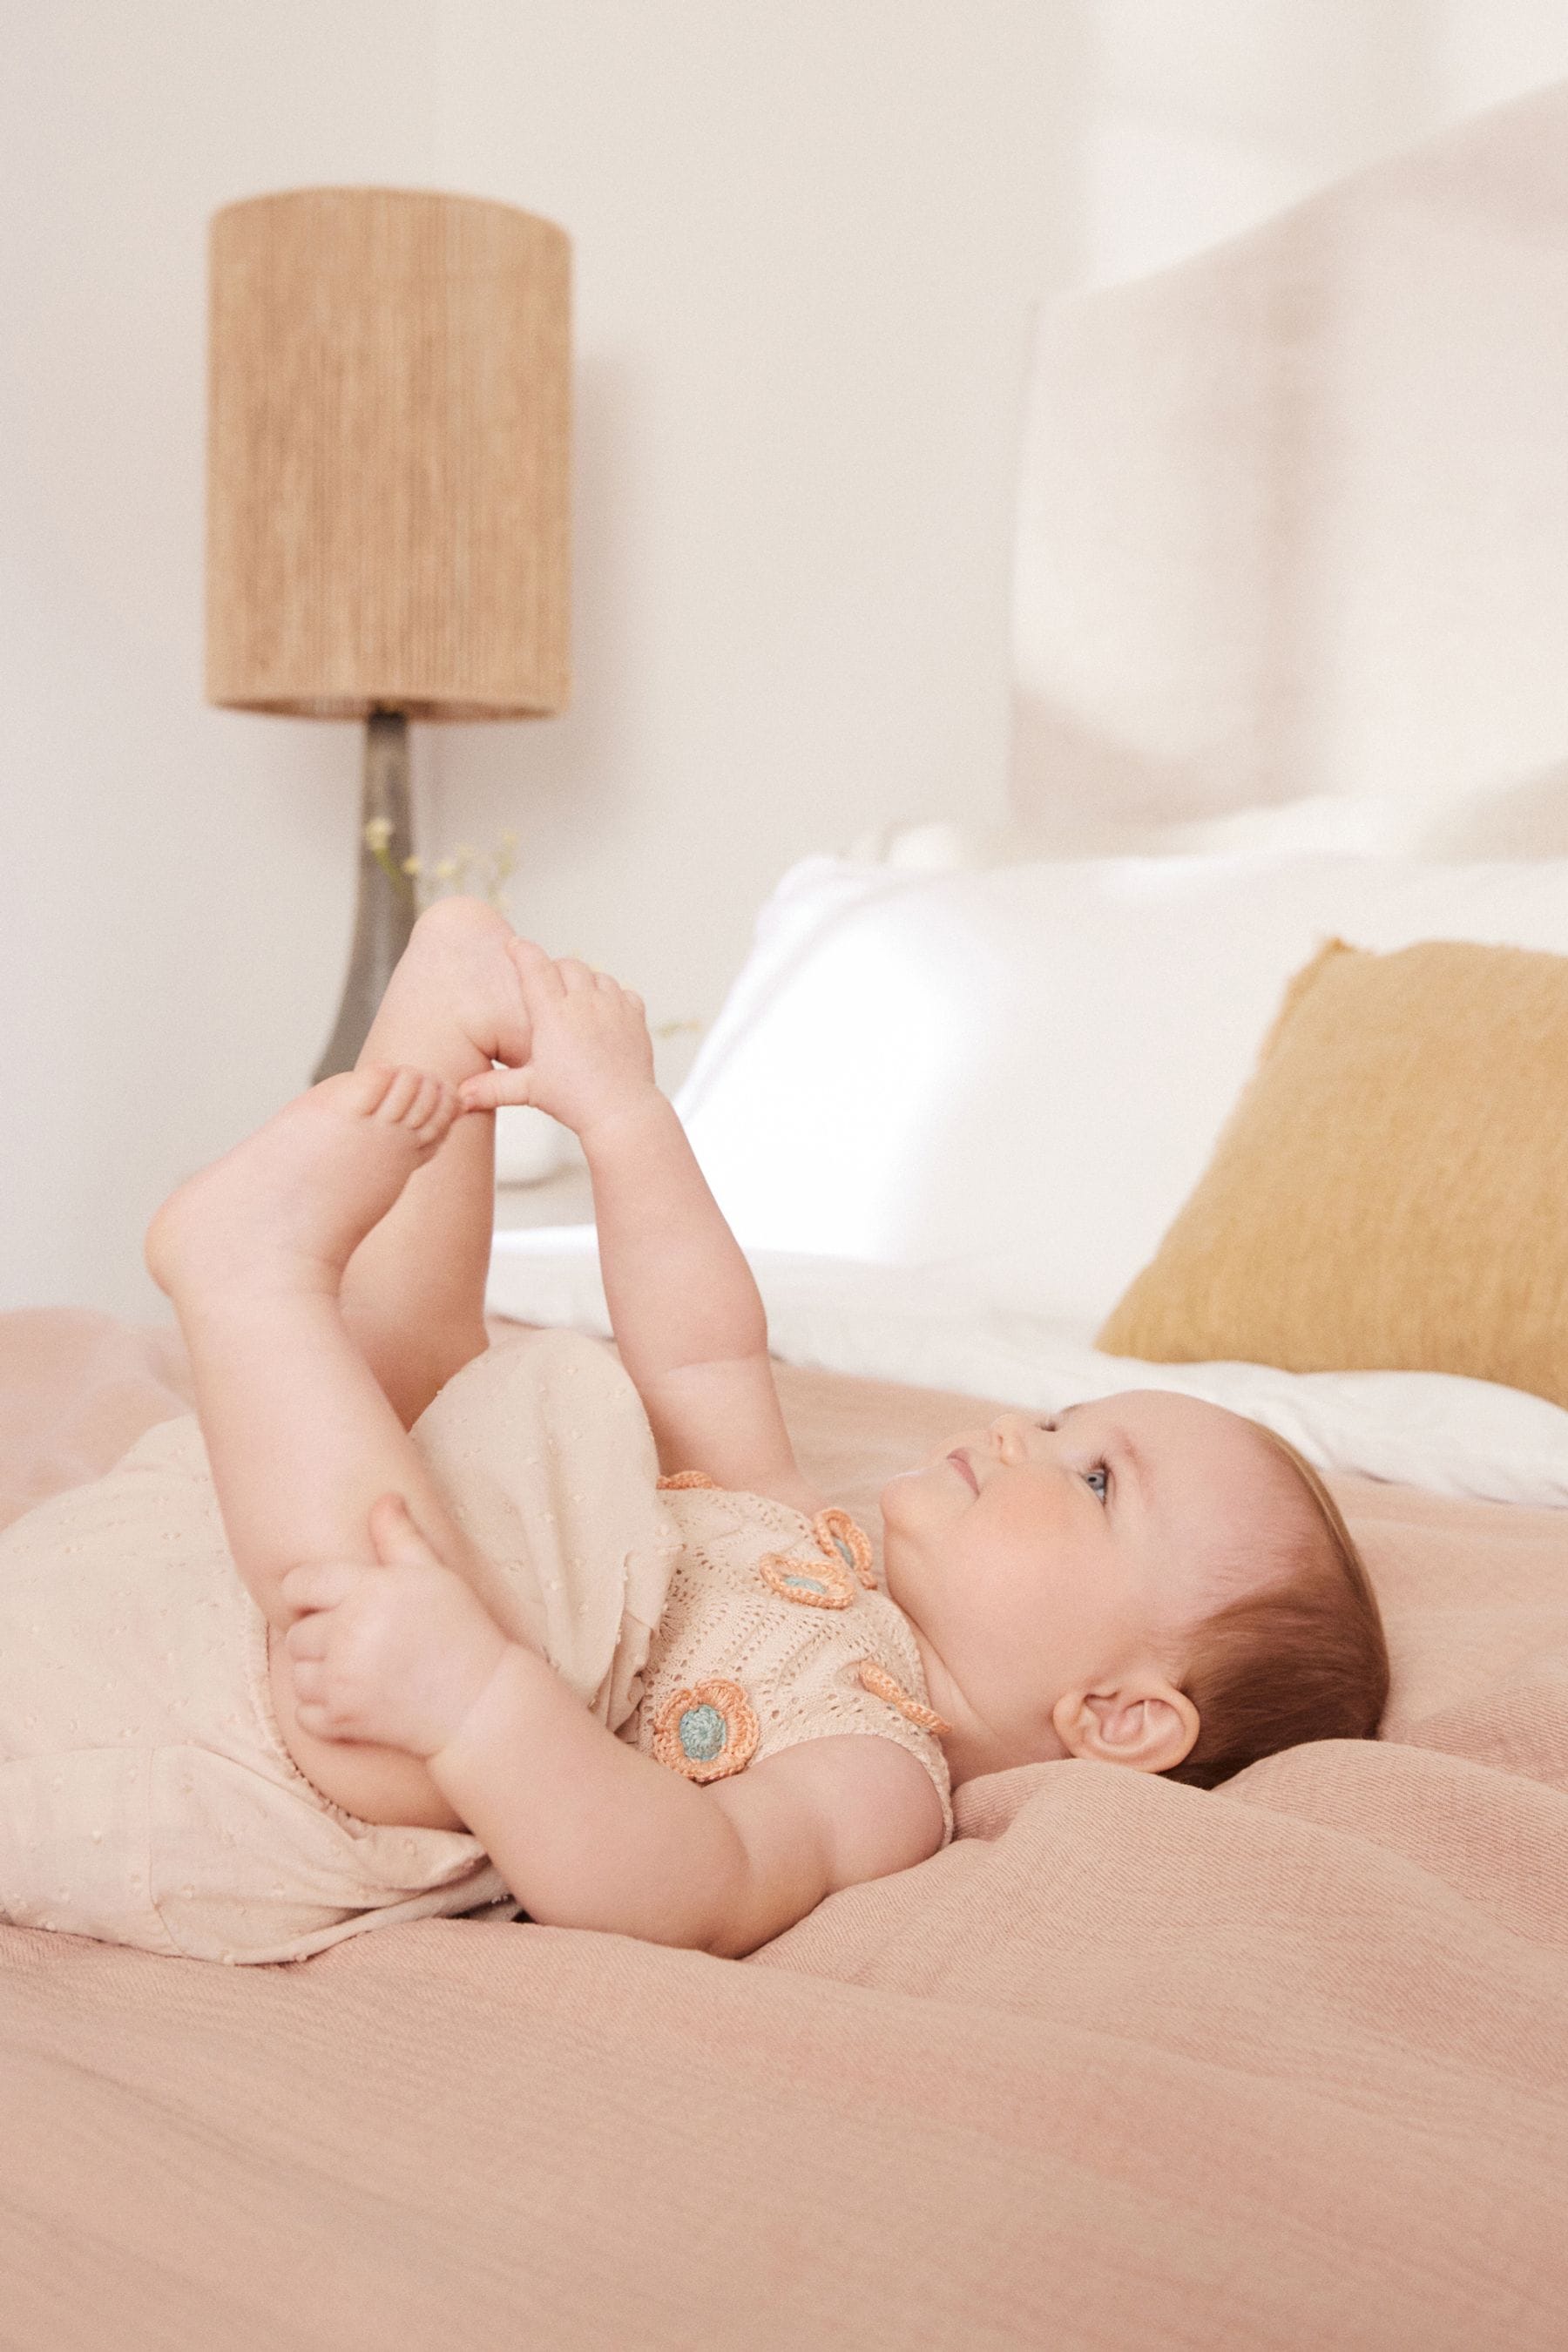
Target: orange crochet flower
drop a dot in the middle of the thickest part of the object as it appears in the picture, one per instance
(882, 1685)
(820, 1580)
(708, 1731)
(801, 1576)
(836, 1530)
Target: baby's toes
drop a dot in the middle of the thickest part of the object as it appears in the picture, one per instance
(360, 1092)
(401, 1093)
(423, 1099)
(423, 1107)
(430, 1121)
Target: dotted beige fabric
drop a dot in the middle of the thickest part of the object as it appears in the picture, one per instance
(1389, 1192)
(796, 1663)
(146, 1796)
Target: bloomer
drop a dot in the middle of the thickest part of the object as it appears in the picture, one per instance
(146, 1796)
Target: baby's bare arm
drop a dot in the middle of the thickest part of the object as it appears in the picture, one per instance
(684, 1307)
(589, 1832)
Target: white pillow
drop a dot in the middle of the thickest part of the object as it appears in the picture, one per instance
(1018, 1074)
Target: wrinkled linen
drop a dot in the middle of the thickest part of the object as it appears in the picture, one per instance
(1284, 2062)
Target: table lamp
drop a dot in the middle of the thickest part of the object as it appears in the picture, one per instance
(387, 492)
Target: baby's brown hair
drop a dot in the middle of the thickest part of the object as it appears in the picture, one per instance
(1306, 1659)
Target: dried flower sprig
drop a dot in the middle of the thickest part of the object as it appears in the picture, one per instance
(424, 884)
(429, 884)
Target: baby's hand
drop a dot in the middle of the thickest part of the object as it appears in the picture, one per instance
(591, 1055)
(394, 1650)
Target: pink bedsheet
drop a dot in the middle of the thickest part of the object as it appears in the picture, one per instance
(1283, 2064)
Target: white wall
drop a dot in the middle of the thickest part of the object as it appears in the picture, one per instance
(174, 880)
(807, 241)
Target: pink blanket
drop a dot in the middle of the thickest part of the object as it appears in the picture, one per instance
(1283, 2064)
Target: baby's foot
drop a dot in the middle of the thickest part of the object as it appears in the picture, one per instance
(288, 1207)
(455, 970)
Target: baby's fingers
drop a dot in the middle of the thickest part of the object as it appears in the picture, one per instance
(310, 1707)
(488, 1091)
(308, 1637)
(318, 1584)
(538, 975)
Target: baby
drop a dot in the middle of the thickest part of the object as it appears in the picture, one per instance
(1144, 1579)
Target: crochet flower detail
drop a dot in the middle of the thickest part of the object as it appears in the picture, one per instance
(707, 1731)
(882, 1685)
(820, 1580)
(852, 1543)
(818, 1583)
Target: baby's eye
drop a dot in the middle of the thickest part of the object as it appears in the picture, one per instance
(1101, 1473)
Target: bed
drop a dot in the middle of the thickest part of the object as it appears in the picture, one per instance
(1284, 2062)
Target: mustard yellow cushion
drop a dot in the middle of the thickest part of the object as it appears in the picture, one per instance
(1390, 1190)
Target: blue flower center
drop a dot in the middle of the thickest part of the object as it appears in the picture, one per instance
(703, 1732)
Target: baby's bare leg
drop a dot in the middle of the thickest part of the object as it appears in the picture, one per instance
(300, 1434)
(413, 1296)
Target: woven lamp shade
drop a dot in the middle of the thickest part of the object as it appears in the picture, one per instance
(388, 504)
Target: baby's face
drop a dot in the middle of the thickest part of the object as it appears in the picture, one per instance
(1049, 1563)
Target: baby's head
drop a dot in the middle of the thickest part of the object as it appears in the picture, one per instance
(1144, 1579)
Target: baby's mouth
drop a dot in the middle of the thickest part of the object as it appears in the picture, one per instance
(961, 1463)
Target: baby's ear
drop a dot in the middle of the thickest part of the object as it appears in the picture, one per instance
(1151, 1728)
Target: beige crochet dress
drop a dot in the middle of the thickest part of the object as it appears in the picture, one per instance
(775, 1632)
(146, 1796)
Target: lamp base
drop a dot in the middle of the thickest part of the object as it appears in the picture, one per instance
(383, 914)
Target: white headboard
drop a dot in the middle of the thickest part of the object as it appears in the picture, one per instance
(1293, 516)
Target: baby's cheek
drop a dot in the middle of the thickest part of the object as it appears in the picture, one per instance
(1025, 1513)
(1014, 1543)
